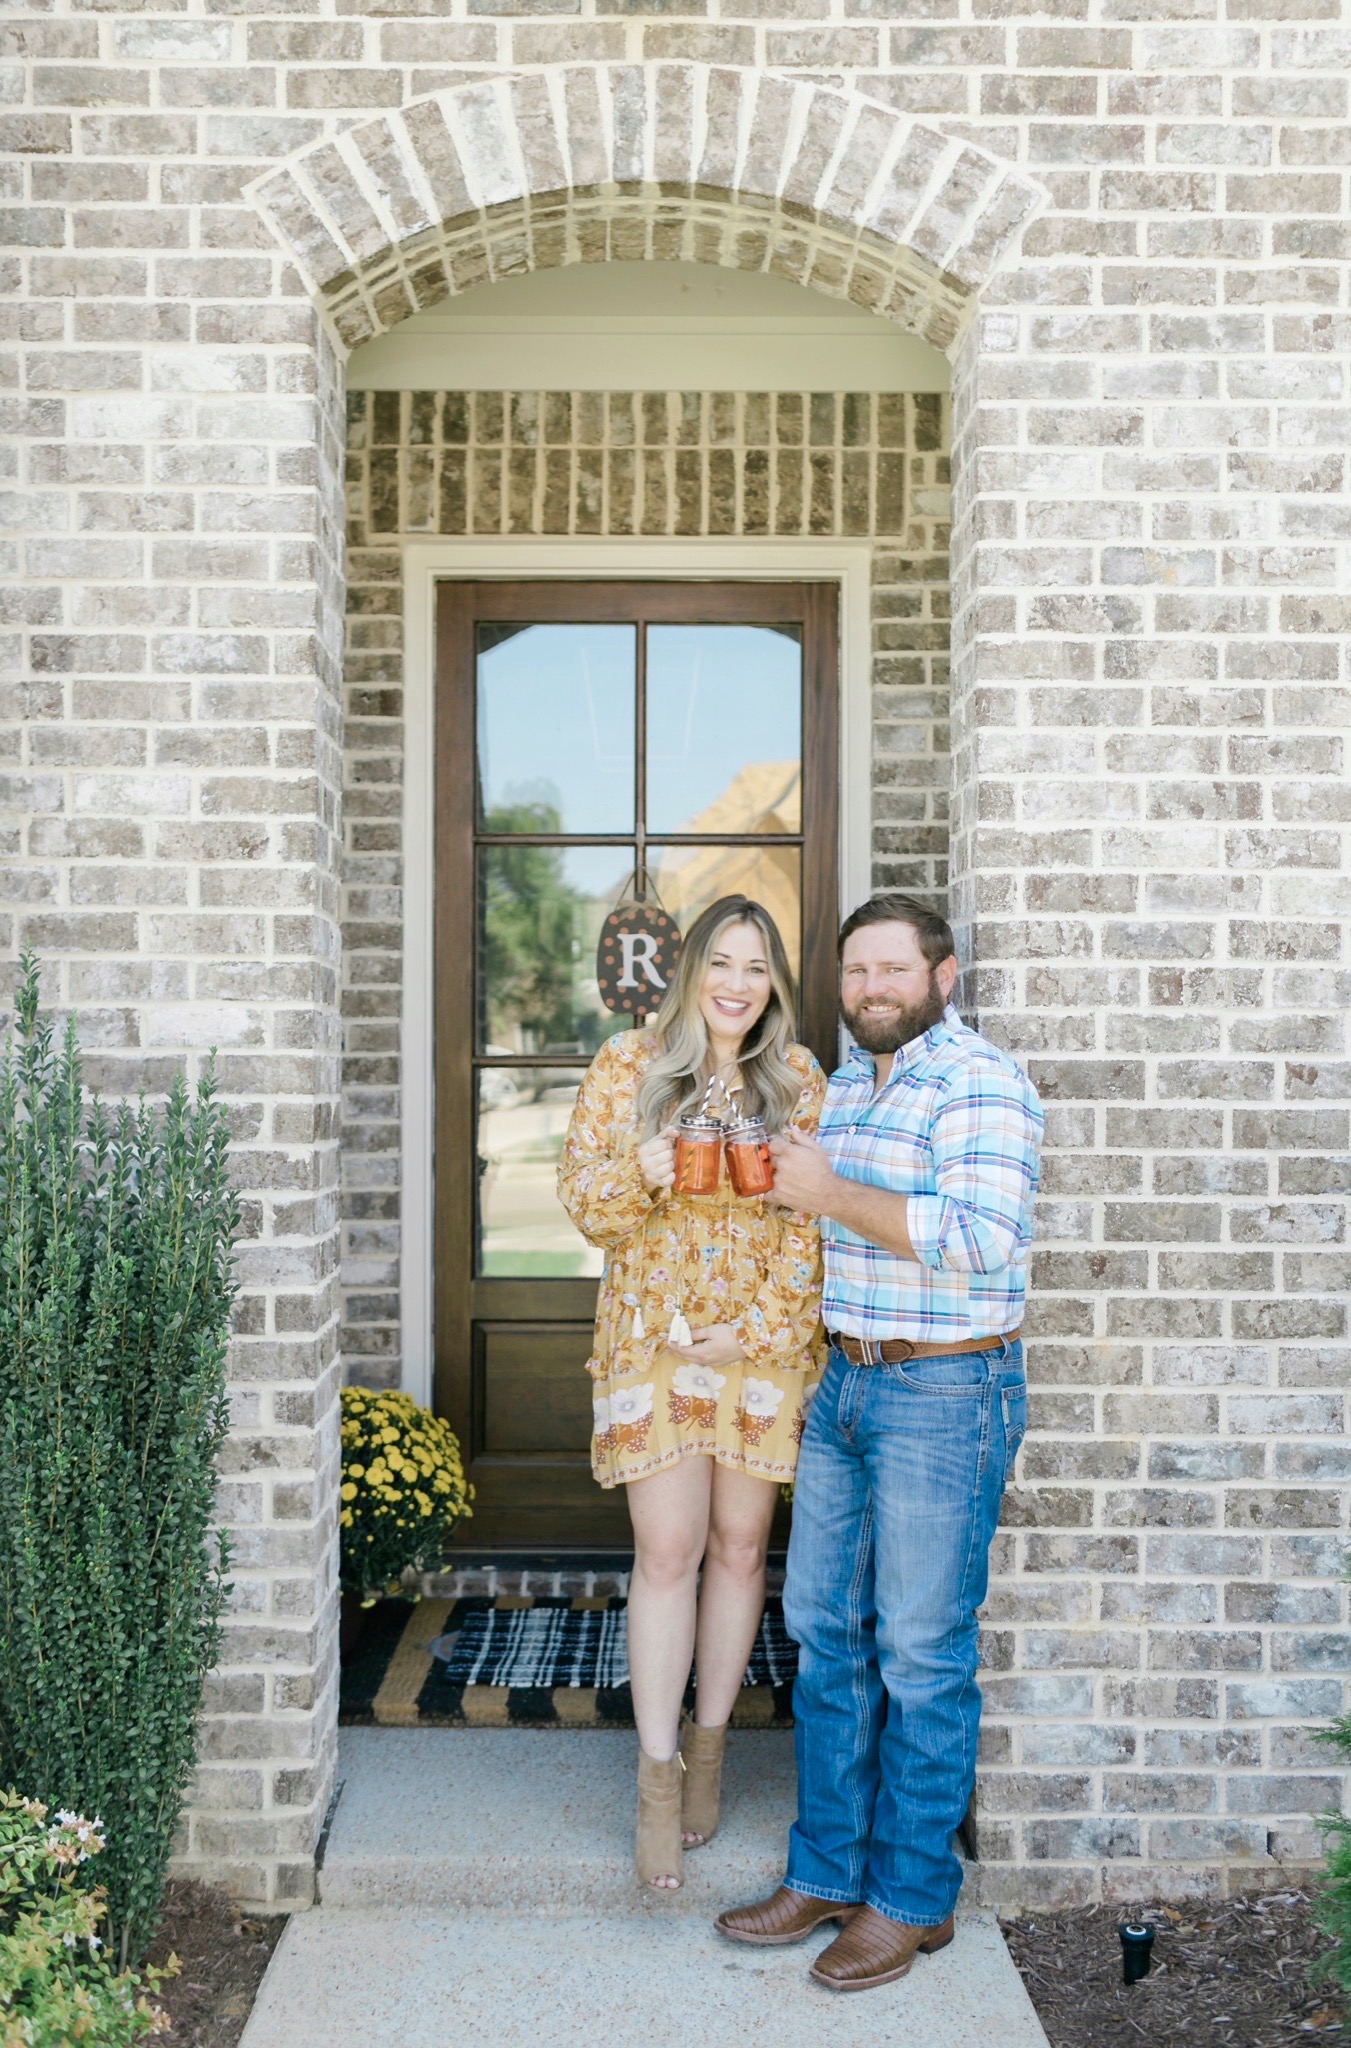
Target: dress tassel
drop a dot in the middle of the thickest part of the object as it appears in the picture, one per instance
(638, 1332)
(680, 1331)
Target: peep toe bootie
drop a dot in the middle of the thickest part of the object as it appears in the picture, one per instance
(658, 1850)
(701, 1807)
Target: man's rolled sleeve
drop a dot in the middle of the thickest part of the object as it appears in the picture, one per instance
(958, 1237)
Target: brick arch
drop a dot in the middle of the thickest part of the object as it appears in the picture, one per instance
(664, 161)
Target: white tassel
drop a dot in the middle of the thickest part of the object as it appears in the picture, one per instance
(638, 1332)
(679, 1332)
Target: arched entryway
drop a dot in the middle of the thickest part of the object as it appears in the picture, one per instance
(661, 163)
(584, 163)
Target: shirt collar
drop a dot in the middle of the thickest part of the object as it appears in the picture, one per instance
(910, 1055)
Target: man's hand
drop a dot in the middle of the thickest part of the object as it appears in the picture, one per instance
(717, 1345)
(804, 1178)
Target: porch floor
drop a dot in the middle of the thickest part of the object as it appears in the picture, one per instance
(442, 1841)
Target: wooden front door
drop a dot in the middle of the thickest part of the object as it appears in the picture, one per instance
(585, 731)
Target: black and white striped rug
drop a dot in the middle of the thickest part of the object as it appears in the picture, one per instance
(527, 1662)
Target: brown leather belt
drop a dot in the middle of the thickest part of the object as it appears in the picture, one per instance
(900, 1350)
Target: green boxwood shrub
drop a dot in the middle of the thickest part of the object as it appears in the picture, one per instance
(116, 1229)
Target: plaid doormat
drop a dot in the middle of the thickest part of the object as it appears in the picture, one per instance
(518, 1662)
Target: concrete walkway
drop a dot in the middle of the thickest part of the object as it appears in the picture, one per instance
(477, 1887)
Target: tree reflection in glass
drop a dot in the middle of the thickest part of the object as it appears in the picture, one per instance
(540, 913)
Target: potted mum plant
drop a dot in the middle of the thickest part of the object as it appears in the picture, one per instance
(403, 1491)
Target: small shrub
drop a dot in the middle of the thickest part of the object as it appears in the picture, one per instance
(56, 1983)
(403, 1489)
(1332, 1901)
(115, 1292)
(1332, 1898)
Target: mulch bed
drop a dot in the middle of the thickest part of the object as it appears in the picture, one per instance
(223, 1956)
(1235, 1975)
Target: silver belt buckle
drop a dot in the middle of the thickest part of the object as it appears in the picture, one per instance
(872, 1354)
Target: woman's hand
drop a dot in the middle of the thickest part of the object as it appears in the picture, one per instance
(718, 1345)
(656, 1160)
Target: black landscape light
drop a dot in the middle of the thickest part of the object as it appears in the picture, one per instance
(1136, 1942)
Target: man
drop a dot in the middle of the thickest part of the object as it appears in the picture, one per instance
(923, 1177)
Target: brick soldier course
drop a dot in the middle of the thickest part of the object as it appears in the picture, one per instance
(1130, 233)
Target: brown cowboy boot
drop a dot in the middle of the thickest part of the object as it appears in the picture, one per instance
(789, 1916)
(874, 1950)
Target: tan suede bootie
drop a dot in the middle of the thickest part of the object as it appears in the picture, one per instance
(658, 1852)
(702, 1749)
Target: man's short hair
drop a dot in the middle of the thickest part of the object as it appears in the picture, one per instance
(893, 906)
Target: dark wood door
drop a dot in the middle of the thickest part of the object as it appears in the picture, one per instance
(586, 731)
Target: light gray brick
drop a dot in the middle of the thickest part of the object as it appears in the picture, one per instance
(1149, 532)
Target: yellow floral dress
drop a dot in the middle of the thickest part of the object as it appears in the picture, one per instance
(720, 1258)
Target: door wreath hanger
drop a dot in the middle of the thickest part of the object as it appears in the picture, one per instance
(637, 951)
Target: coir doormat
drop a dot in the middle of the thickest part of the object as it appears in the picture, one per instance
(518, 1662)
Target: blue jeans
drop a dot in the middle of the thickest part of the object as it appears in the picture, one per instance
(899, 1482)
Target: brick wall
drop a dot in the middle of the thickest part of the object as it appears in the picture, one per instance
(1149, 439)
(607, 464)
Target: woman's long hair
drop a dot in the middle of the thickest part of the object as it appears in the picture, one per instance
(676, 1079)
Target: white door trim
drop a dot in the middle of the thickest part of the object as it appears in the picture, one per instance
(426, 563)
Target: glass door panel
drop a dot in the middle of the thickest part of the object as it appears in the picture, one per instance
(539, 914)
(523, 1229)
(724, 728)
(689, 878)
(556, 709)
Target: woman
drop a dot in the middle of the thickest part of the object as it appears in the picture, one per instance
(708, 1345)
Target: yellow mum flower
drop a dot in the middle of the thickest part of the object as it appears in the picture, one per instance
(401, 1469)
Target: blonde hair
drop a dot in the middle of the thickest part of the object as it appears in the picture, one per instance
(676, 1079)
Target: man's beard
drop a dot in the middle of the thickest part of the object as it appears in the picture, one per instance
(888, 1034)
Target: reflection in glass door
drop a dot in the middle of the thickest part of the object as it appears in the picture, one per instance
(588, 733)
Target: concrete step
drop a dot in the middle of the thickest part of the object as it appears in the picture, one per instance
(537, 1820)
(478, 1885)
(574, 1980)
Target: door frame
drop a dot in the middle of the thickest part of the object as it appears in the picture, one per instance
(427, 563)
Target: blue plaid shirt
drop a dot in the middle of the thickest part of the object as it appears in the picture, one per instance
(958, 1129)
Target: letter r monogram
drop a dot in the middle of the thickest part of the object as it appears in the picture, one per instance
(638, 949)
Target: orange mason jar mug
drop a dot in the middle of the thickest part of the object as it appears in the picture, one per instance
(698, 1155)
(748, 1161)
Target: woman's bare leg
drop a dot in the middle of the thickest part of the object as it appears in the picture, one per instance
(732, 1597)
(669, 1512)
